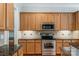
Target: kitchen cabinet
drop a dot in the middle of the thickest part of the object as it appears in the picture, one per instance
(23, 44)
(30, 47)
(57, 21)
(20, 52)
(23, 21)
(32, 22)
(71, 21)
(27, 21)
(38, 47)
(77, 20)
(2, 16)
(38, 21)
(64, 21)
(58, 47)
(10, 16)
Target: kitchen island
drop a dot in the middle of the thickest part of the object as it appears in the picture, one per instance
(7, 50)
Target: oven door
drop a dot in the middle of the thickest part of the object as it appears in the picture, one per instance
(48, 44)
(48, 47)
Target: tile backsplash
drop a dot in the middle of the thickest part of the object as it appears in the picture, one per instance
(30, 35)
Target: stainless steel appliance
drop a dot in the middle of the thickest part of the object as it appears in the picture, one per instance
(48, 47)
(48, 26)
(48, 44)
(46, 36)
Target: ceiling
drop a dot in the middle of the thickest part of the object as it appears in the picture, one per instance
(47, 7)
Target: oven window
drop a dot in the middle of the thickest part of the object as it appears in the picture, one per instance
(48, 45)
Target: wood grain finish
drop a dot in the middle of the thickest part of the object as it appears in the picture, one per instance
(57, 21)
(2, 16)
(64, 21)
(10, 16)
(38, 47)
(34, 21)
(31, 47)
(77, 20)
(23, 44)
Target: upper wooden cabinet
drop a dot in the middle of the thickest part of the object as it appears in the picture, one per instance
(6, 16)
(10, 16)
(71, 21)
(34, 21)
(77, 20)
(57, 21)
(2, 16)
(27, 21)
(64, 21)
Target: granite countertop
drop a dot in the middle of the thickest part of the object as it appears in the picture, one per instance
(6, 50)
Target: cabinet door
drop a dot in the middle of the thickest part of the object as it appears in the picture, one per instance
(38, 21)
(10, 16)
(38, 47)
(23, 44)
(59, 47)
(57, 21)
(20, 52)
(71, 21)
(64, 21)
(2, 16)
(24, 21)
(30, 47)
(51, 18)
(32, 22)
(77, 21)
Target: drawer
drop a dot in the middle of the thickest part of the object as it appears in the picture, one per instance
(30, 40)
(37, 40)
(22, 40)
(59, 40)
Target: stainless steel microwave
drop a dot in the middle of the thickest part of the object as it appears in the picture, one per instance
(48, 26)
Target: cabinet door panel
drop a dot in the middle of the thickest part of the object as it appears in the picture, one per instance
(2, 16)
(64, 21)
(71, 21)
(37, 47)
(77, 21)
(58, 48)
(57, 22)
(32, 22)
(30, 47)
(10, 16)
(23, 44)
(38, 21)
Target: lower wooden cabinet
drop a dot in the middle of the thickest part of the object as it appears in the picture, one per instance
(58, 48)
(38, 47)
(23, 45)
(20, 52)
(31, 47)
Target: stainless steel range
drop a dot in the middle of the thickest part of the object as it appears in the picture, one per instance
(48, 47)
(48, 44)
